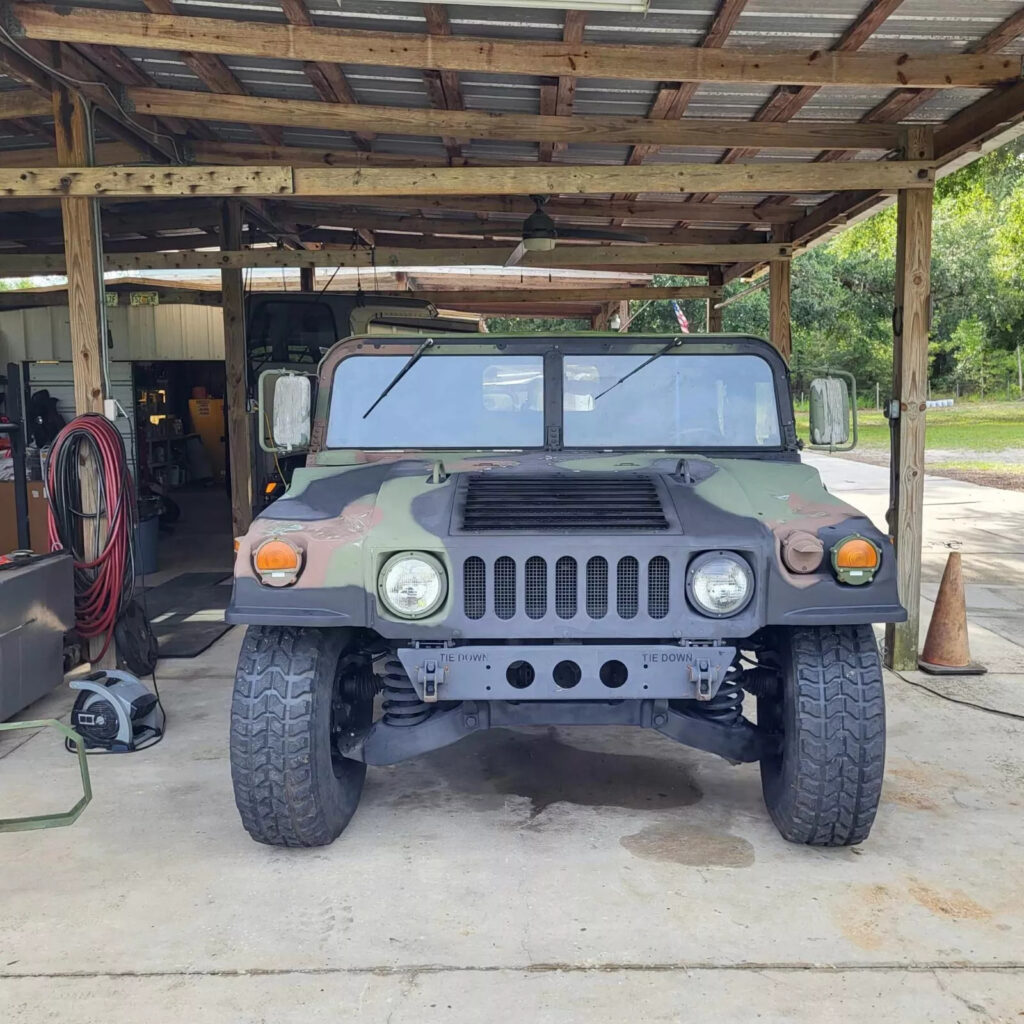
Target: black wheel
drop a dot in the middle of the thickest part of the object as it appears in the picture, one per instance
(823, 787)
(292, 787)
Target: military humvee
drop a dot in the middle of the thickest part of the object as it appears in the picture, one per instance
(497, 532)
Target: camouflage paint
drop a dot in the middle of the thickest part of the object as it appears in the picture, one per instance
(350, 510)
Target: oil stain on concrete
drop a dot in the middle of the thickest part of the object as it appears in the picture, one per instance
(691, 845)
(546, 771)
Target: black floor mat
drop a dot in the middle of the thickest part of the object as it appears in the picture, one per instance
(187, 612)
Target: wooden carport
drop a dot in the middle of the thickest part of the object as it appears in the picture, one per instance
(392, 135)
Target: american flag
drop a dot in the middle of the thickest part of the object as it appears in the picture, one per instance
(684, 324)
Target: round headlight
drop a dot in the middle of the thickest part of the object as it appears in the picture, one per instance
(719, 583)
(412, 585)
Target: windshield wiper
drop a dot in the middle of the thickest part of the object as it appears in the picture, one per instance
(647, 362)
(412, 361)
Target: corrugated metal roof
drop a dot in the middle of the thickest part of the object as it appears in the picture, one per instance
(917, 26)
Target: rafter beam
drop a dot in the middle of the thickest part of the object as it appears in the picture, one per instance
(558, 97)
(589, 293)
(462, 53)
(18, 103)
(673, 98)
(897, 106)
(590, 257)
(211, 70)
(443, 87)
(464, 124)
(328, 79)
(269, 181)
(146, 136)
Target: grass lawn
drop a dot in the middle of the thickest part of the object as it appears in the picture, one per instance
(967, 427)
(963, 441)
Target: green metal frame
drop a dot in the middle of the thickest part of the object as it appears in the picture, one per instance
(66, 817)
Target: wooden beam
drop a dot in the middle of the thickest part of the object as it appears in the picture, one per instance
(785, 103)
(593, 292)
(705, 133)
(780, 330)
(270, 181)
(236, 375)
(105, 153)
(307, 279)
(912, 324)
(673, 98)
(989, 116)
(213, 72)
(393, 222)
(714, 311)
(596, 210)
(329, 80)
(628, 62)
(564, 97)
(17, 103)
(82, 246)
(592, 257)
(443, 87)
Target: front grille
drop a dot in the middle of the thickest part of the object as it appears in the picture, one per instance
(629, 587)
(574, 503)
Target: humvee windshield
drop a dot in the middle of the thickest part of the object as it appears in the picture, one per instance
(495, 400)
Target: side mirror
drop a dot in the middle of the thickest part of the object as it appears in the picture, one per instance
(833, 417)
(285, 400)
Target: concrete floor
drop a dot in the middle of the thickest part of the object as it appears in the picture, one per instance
(563, 875)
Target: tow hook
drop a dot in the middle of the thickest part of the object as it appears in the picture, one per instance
(703, 676)
(431, 675)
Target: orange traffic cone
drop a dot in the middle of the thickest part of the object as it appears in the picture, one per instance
(946, 650)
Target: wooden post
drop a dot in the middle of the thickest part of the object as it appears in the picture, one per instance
(911, 323)
(714, 318)
(236, 391)
(780, 332)
(83, 255)
(307, 279)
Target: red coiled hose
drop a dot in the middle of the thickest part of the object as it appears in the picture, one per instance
(104, 584)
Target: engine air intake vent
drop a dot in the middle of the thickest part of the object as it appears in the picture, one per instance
(575, 504)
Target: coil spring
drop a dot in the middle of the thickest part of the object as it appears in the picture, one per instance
(402, 705)
(726, 707)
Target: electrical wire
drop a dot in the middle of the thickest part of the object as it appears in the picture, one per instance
(957, 700)
(104, 582)
(78, 84)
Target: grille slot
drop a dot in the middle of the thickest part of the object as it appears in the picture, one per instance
(574, 504)
(597, 587)
(658, 580)
(474, 583)
(627, 589)
(505, 587)
(633, 593)
(565, 587)
(536, 579)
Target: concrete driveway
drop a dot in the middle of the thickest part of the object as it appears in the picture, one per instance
(547, 875)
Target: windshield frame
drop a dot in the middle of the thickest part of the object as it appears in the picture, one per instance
(552, 349)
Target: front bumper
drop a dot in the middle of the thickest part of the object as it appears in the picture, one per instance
(558, 672)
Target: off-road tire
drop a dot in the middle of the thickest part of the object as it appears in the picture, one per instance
(823, 787)
(291, 786)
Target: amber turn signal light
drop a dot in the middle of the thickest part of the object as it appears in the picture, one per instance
(855, 560)
(275, 556)
(856, 553)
